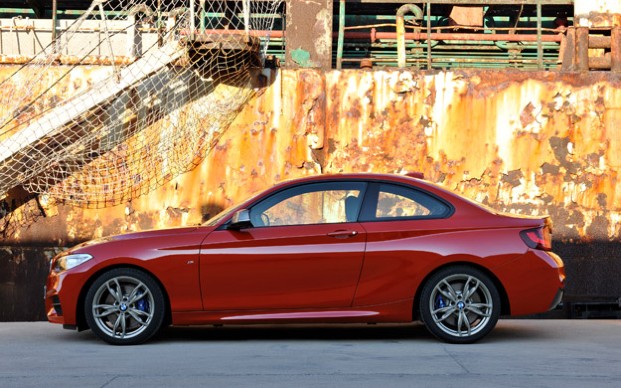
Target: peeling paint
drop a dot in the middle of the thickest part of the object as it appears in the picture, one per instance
(541, 143)
(448, 125)
(302, 58)
(309, 34)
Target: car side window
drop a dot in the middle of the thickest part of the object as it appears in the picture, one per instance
(399, 202)
(322, 203)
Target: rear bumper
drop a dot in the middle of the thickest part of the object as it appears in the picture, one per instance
(535, 283)
(557, 299)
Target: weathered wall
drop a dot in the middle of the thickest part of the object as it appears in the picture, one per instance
(530, 143)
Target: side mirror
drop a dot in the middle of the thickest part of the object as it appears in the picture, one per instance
(240, 220)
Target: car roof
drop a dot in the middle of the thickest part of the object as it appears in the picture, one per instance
(368, 176)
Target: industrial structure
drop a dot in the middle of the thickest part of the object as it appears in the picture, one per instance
(129, 115)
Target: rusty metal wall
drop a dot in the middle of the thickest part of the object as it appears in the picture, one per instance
(530, 143)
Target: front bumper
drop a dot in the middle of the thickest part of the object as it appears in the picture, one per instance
(61, 298)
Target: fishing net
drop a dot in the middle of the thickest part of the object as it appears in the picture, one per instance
(178, 73)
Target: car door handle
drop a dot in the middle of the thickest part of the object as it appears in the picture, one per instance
(343, 233)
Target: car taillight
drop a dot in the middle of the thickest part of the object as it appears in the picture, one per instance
(538, 238)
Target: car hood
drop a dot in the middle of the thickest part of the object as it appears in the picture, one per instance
(150, 234)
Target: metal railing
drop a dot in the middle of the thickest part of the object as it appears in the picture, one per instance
(429, 42)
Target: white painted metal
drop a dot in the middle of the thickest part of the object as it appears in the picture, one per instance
(74, 108)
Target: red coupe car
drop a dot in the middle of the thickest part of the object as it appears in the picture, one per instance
(343, 248)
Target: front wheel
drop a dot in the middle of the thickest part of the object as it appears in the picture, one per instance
(460, 304)
(124, 306)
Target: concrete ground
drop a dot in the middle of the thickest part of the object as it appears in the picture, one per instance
(519, 353)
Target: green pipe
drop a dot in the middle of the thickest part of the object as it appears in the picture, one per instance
(341, 38)
(202, 5)
(539, 47)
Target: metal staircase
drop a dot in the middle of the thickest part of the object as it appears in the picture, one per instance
(41, 135)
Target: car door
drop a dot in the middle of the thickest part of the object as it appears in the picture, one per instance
(405, 227)
(304, 250)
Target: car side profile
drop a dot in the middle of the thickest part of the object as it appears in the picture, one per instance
(346, 248)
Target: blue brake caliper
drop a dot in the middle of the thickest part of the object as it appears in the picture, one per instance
(440, 302)
(142, 304)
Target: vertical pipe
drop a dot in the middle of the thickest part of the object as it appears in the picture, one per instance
(102, 14)
(539, 44)
(192, 20)
(246, 4)
(160, 37)
(339, 48)
(54, 21)
(400, 41)
(615, 49)
(132, 35)
(418, 15)
(569, 55)
(582, 48)
(428, 35)
(202, 22)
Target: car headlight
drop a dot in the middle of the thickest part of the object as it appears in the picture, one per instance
(64, 263)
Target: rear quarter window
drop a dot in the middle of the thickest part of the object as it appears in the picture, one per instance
(394, 202)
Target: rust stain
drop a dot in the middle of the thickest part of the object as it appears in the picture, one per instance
(534, 143)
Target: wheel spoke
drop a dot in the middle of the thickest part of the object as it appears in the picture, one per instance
(447, 295)
(443, 310)
(463, 319)
(119, 320)
(116, 294)
(123, 325)
(136, 296)
(476, 308)
(448, 311)
(140, 312)
(136, 315)
(107, 310)
(469, 291)
(452, 294)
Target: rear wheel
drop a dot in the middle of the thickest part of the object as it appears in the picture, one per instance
(124, 306)
(460, 304)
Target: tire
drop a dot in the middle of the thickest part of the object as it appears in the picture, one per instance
(127, 318)
(451, 315)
